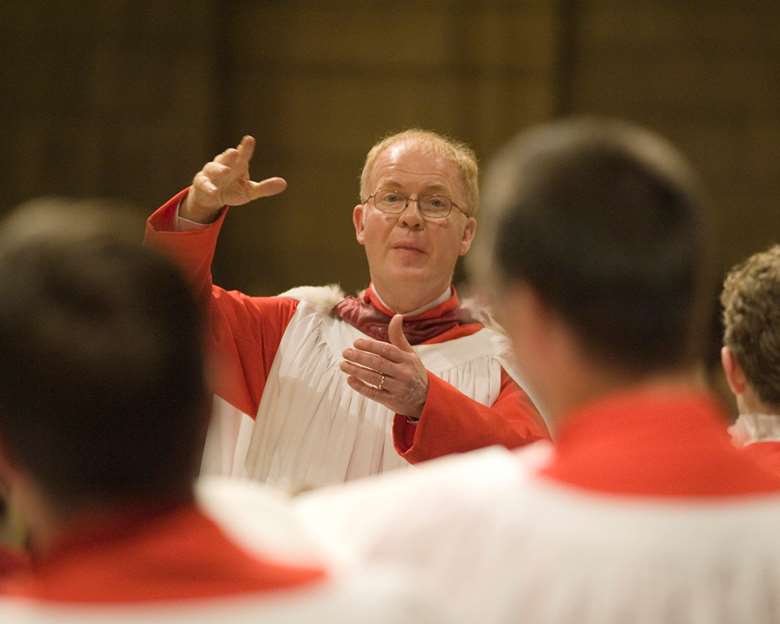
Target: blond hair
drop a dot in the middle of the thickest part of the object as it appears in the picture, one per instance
(440, 145)
(751, 319)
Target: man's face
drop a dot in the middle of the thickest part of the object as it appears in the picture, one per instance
(408, 249)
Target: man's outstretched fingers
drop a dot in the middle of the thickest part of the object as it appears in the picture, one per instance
(229, 157)
(216, 171)
(367, 375)
(383, 349)
(267, 187)
(367, 359)
(205, 185)
(246, 148)
(366, 390)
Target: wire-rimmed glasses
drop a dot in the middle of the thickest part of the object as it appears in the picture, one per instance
(430, 205)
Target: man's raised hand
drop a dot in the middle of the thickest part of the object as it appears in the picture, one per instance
(225, 181)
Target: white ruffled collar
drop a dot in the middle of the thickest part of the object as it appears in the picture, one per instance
(751, 428)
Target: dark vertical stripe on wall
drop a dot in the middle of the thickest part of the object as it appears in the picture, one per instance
(459, 57)
(223, 113)
(565, 64)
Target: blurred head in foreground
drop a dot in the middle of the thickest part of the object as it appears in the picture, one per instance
(103, 413)
(596, 247)
(102, 395)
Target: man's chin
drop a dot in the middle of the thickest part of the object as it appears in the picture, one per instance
(410, 271)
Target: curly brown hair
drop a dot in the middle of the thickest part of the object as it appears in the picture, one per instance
(751, 318)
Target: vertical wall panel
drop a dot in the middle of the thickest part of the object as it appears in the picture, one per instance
(104, 97)
(318, 83)
(707, 75)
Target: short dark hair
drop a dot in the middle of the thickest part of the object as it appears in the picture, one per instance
(751, 318)
(102, 392)
(605, 221)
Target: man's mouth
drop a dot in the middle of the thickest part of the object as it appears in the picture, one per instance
(409, 247)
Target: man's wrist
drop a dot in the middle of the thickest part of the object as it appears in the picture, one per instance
(414, 417)
(182, 224)
(195, 213)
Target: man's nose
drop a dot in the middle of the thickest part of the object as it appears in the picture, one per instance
(411, 217)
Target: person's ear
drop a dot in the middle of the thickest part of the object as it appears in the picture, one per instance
(8, 471)
(469, 231)
(524, 314)
(735, 376)
(359, 221)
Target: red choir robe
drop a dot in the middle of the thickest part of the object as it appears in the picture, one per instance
(246, 333)
(643, 512)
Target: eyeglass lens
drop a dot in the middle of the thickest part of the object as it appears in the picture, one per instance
(393, 202)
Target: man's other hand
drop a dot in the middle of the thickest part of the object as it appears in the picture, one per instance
(391, 374)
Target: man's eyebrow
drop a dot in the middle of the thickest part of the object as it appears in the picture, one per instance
(435, 187)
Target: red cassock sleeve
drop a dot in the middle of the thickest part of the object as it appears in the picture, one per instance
(451, 422)
(243, 332)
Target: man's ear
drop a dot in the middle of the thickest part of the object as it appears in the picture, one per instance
(359, 221)
(523, 307)
(531, 327)
(735, 376)
(468, 235)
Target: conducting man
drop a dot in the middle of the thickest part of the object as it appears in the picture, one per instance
(329, 388)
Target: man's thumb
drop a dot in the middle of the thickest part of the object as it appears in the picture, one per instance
(395, 332)
(267, 187)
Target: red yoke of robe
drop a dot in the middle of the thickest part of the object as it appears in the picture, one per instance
(172, 556)
(654, 444)
(765, 453)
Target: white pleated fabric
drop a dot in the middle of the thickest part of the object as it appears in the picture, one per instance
(311, 428)
(498, 545)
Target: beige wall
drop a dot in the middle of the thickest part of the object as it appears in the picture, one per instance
(130, 97)
(707, 75)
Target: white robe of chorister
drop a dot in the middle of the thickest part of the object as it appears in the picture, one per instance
(486, 537)
(311, 428)
(376, 599)
(755, 427)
